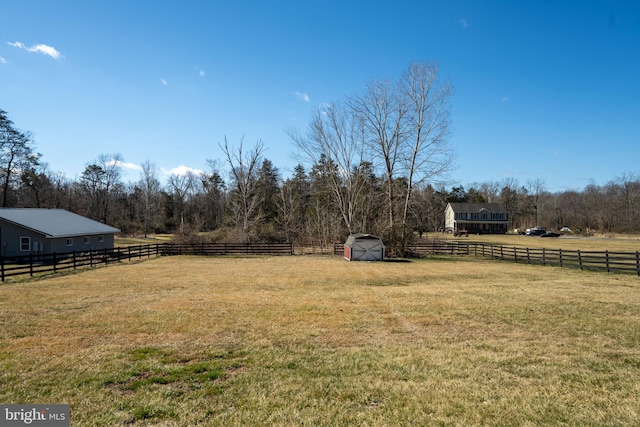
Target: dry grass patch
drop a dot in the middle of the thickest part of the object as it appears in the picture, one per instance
(321, 341)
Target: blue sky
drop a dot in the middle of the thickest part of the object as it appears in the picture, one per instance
(544, 90)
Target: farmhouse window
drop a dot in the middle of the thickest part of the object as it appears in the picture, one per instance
(25, 243)
(70, 241)
(87, 240)
(101, 238)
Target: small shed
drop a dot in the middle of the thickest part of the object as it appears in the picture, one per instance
(364, 247)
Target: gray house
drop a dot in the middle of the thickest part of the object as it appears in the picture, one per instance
(28, 231)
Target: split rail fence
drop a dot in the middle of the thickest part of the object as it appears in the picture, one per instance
(32, 265)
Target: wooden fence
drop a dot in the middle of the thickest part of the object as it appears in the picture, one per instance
(227, 249)
(609, 261)
(34, 265)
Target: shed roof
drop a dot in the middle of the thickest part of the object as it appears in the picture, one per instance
(55, 223)
(477, 207)
(360, 236)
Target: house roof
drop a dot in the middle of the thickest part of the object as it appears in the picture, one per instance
(477, 207)
(55, 223)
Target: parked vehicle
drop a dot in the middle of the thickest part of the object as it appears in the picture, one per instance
(550, 234)
(536, 231)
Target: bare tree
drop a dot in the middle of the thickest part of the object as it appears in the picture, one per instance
(335, 142)
(16, 154)
(426, 153)
(383, 114)
(181, 187)
(99, 179)
(244, 200)
(150, 187)
(535, 189)
(407, 127)
(630, 199)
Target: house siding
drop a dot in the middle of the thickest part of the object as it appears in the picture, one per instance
(59, 245)
(11, 234)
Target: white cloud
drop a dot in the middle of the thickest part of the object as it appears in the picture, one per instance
(163, 81)
(302, 96)
(200, 72)
(2, 60)
(38, 48)
(131, 166)
(181, 171)
(125, 165)
(463, 23)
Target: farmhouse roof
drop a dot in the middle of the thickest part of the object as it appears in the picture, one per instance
(55, 223)
(477, 207)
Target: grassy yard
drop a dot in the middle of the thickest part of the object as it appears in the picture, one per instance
(318, 341)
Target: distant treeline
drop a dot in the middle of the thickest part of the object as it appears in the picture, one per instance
(301, 208)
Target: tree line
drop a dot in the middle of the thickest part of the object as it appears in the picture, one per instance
(374, 162)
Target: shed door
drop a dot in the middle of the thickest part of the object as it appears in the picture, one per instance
(367, 250)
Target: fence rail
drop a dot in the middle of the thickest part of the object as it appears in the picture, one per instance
(608, 261)
(39, 264)
(34, 265)
(584, 260)
(227, 249)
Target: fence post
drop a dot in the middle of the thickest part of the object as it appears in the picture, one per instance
(515, 254)
(580, 259)
(31, 264)
(528, 257)
(637, 265)
(544, 257)
(73, 256)
(54, 262)
(90, 258)
(606, 254)
(560, 257)
(2, 268)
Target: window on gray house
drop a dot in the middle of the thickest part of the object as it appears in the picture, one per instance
(25, 243)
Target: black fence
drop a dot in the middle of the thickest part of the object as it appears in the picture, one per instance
(226, 249)
(609, 261)
(36, 264)
(40, 264)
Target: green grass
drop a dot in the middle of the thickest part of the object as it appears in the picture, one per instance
(320, 341)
